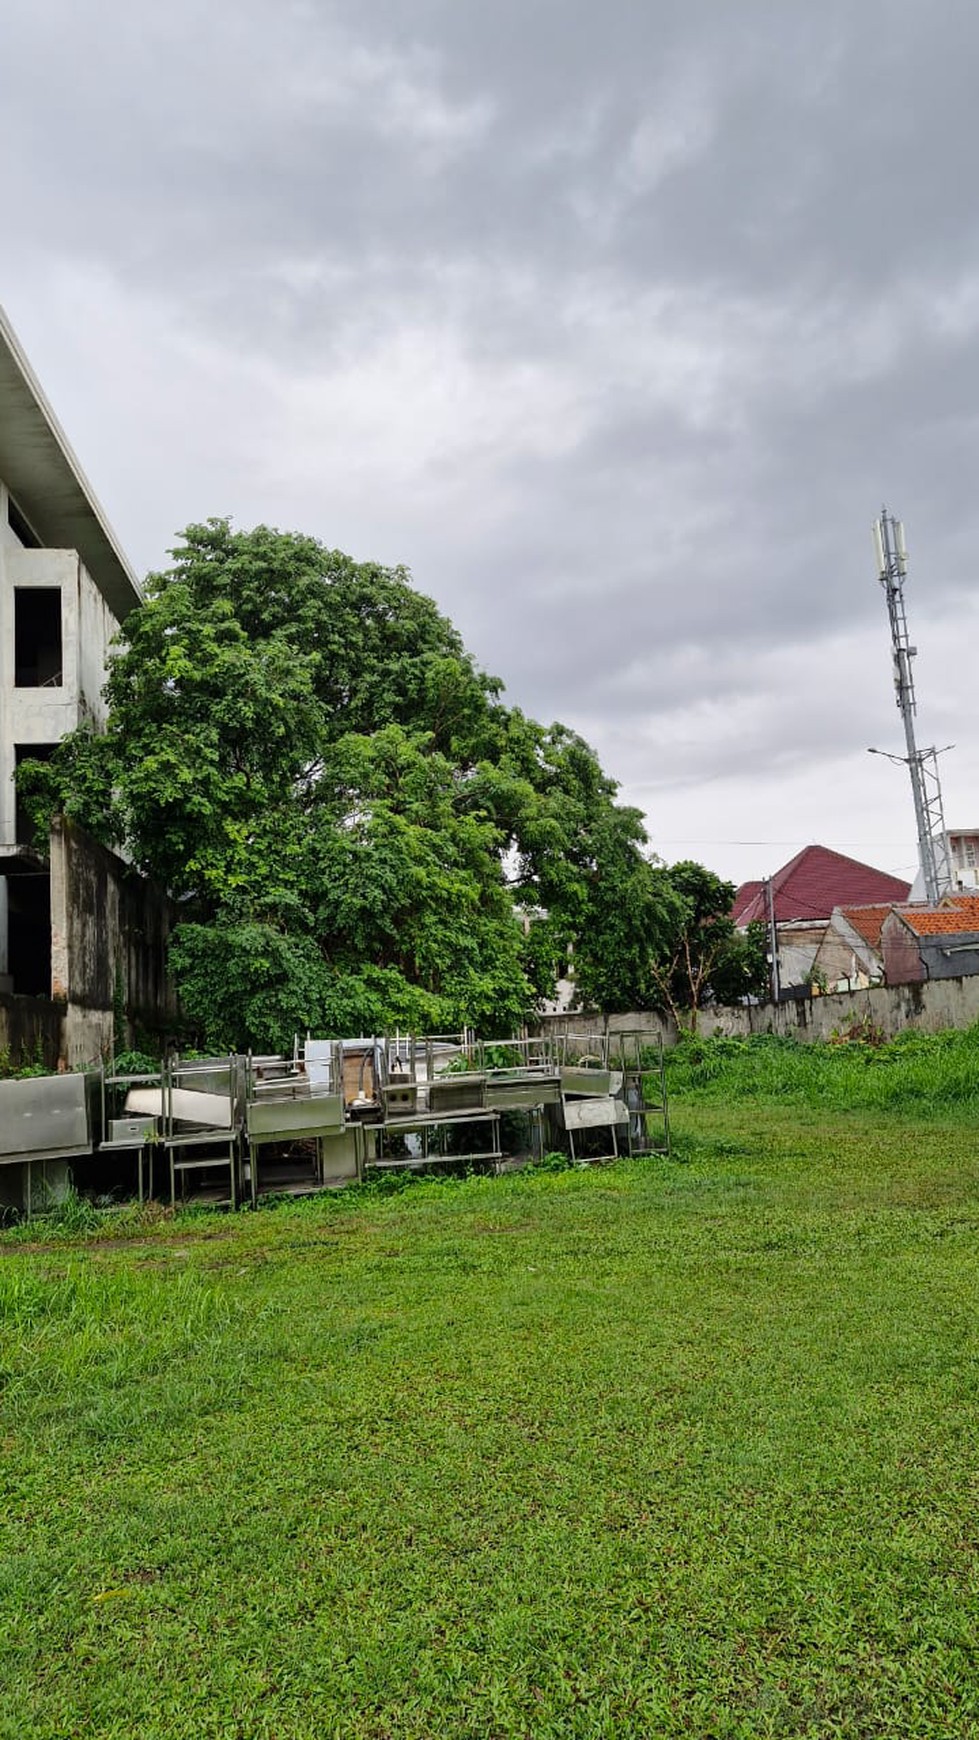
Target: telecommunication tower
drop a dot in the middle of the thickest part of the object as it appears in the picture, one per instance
(929, 815)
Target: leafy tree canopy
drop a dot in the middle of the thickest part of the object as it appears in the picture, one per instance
(350, 819)
(706, 958)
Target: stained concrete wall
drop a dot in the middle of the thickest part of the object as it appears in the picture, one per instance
(950, 957)
(109, 931)
(645, 1022)
(930, 1007)
(901, 953)
(32, 1030)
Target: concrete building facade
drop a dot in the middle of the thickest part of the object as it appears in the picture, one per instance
(963, 849)
(65, 586)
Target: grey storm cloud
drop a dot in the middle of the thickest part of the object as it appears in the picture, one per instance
(614, 322)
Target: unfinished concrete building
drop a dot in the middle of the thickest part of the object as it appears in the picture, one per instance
(65, 586)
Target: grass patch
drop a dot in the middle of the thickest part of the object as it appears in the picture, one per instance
(931, 1074)
(662, 1449)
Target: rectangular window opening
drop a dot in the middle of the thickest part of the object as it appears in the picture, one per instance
(23, 832)
(29, 932)
(37, 637)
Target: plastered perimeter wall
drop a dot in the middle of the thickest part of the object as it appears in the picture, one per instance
(109, 931)
(931, 1007)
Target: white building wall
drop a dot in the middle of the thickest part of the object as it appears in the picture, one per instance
(964, 849)
(96, 628)
(44, 715)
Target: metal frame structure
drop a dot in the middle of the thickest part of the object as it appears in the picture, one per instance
(637, 1072)
(137, 1133)
(922, 764)
(196, 1138)
(300, 1101)
(380, 1135)
(337, 1107)
(589, 1093)
(44, 1120)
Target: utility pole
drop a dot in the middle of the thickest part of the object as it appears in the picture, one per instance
(773, 941)
(922, 764)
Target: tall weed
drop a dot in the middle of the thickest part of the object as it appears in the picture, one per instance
(926, 1073)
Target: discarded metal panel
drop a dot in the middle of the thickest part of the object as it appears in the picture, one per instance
(457, 1093)
(591, 1114)
(579, 1079)
(45, 1118)
(342, 1157)
(282, 1120)
(184, 1105)
(400, 1097)
(124, 1130)
(284, 1087)
(207, 1075)
(319, 1056)
(523, 1095)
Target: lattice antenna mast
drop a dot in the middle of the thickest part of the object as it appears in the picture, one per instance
(929, 814)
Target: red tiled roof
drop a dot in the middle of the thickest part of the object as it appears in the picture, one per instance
(813, 882)
(746, 894)
(961, 919)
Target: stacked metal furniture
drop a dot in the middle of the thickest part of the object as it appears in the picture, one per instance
(643, 1093)
(432, 1105)
(187, 1117)
(46, 1122)
(296, 1106)
(225, 1129)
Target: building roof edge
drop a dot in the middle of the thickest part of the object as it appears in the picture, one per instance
(46, 480)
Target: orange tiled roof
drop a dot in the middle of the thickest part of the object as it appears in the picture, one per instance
(959, 920)
(866, 921)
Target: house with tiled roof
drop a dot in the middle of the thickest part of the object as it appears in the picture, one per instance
(804, 895)
(849, 958)
(937, 942)
(812, 883)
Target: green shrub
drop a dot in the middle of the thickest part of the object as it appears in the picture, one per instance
(923, 1072)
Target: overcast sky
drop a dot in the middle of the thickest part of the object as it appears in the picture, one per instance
(614, 320)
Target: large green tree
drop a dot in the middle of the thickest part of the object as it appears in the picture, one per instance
(348, 816)
(706, 959)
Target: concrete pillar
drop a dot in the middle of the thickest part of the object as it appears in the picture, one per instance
(6, 982)
(57, 852)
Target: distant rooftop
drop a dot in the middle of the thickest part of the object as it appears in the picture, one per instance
(812, 883)
(48, 484)
(959, 918)
(867, 921)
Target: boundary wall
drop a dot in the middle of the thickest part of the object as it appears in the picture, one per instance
(930, 1006)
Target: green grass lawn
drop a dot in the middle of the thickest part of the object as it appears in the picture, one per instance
(669, 1448)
